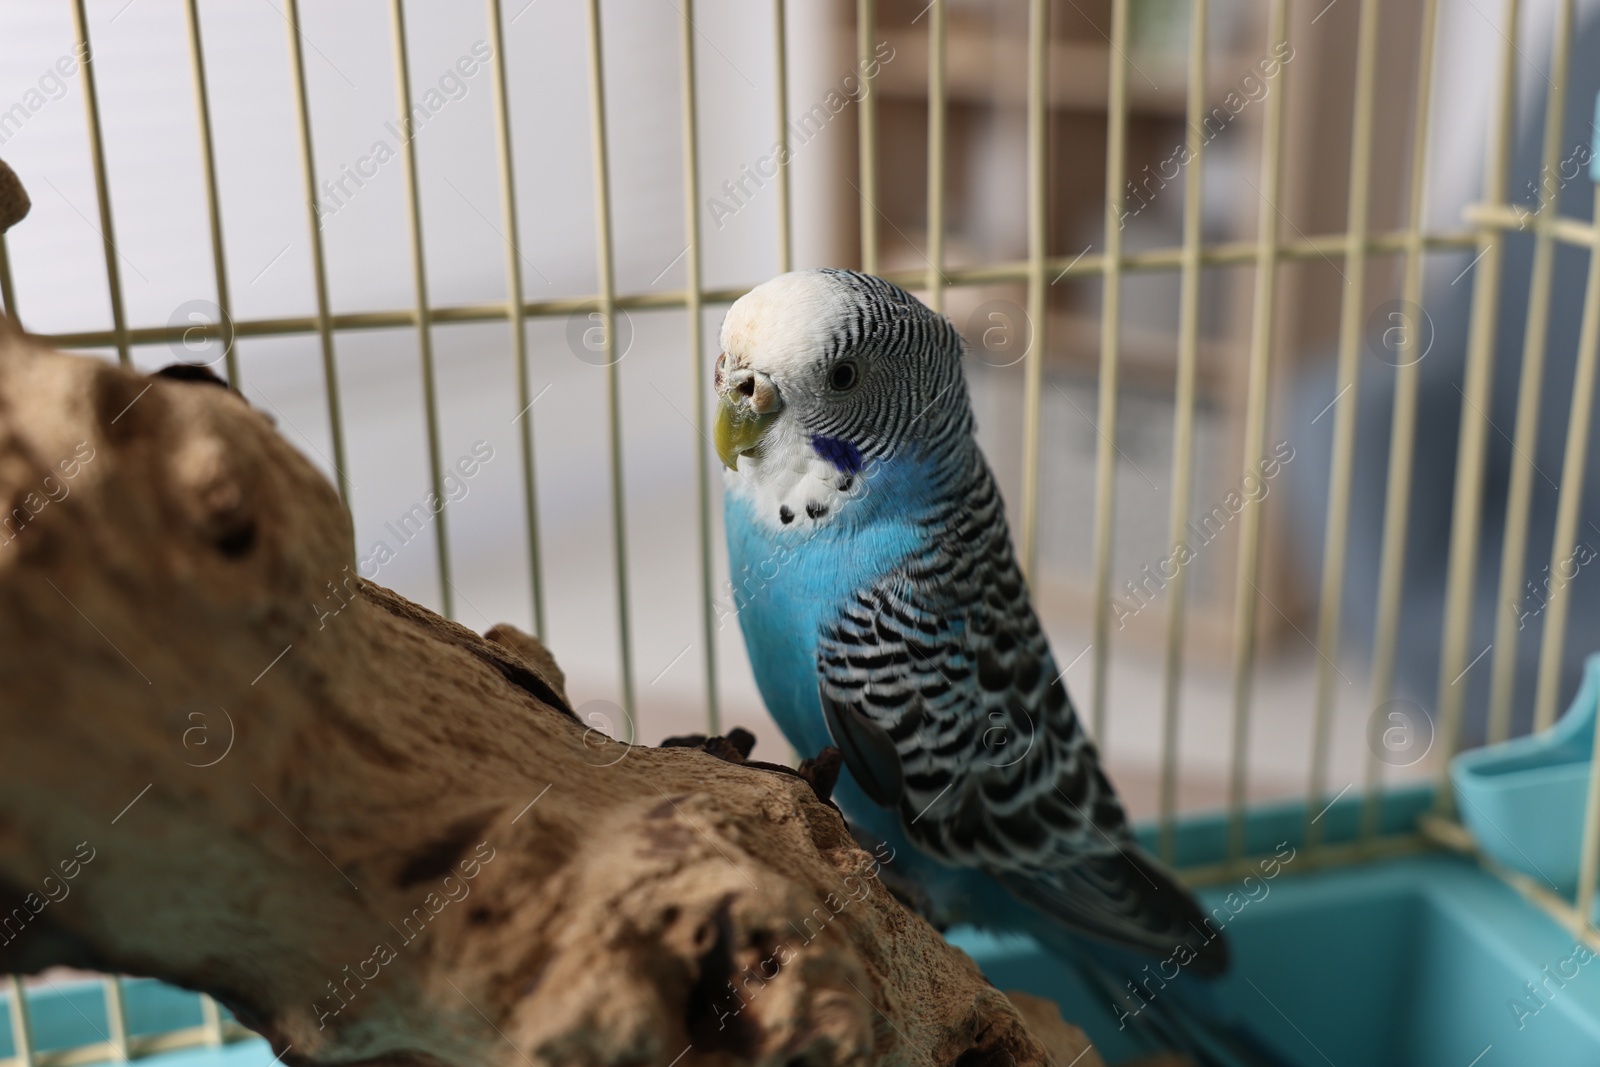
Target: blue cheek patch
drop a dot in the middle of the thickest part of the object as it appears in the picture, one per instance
(845, 457)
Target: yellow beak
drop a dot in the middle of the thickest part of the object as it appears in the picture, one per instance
(738, 430)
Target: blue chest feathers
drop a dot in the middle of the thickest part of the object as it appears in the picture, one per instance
(790, 579)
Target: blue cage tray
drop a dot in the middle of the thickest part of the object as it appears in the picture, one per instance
(1423, 961)
(1418, 961)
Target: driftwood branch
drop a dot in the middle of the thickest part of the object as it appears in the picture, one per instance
(376, 836)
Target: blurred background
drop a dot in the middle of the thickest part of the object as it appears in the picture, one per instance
(163, 248)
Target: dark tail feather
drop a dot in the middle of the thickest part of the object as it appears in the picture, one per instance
(1125, 899)
(1186, 1016)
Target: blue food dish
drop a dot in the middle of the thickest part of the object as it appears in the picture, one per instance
(1523, 800)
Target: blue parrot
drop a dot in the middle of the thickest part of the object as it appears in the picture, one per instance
(884, 613)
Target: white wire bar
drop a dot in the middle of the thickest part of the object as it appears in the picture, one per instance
(1105, 479)
(1403, 423)
(697, 364)
(1257, 395)
(116, 1017)
(780, 33)
(938, 117)
(419, 271)
(1473, 439)
(1514, 545)
(514, 296)
(211, 1022)
(323, 324)
(1036, 267)
(608, 324)
(1573, 468)
(1183, 427)
(867, 133)
(102, 183)
(208, 159)
(1153, 261)
(8, 289)
(1336, 536)
(21, 1031)
(1572, 474)
(1150, 261)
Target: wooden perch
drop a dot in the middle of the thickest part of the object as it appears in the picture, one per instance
(375, 835)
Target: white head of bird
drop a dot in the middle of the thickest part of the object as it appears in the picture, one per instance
(824, 372)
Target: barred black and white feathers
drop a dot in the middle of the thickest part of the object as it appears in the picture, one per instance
(941, 690)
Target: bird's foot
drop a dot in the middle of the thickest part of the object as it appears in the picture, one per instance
(820, 773)
(733, 747)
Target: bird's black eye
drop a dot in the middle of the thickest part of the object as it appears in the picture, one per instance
(843, 377)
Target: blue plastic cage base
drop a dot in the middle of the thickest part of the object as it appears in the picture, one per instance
(1414, 961)
(1422, 960)
(72, 1014)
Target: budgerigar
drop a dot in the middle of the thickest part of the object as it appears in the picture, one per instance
(884, 613)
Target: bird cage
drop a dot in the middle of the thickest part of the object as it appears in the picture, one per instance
(1433, 907)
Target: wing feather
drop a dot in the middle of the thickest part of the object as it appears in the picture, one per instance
(941, 691)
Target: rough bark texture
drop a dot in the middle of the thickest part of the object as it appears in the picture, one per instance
(229, 763)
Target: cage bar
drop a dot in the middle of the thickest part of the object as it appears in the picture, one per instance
(1038, 253)
(867, 132)
(1336, 536)
(419, 272)
(208, 157)
(8, 291)
(781, 77)
(102, 183)
(323, 323)
(21, 1030)
(116, 1017)
(1529, 392)
(211, 1021)
(514, 310)
(1563, 230)
(697, 361)
(1105, 479)
(1573, 469)
(1152, 261)
(1261, 343)
(1403, 425)
(608, 323)
(1473, 439)
(937, 120)
(1225, 254)
(1183, 425)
